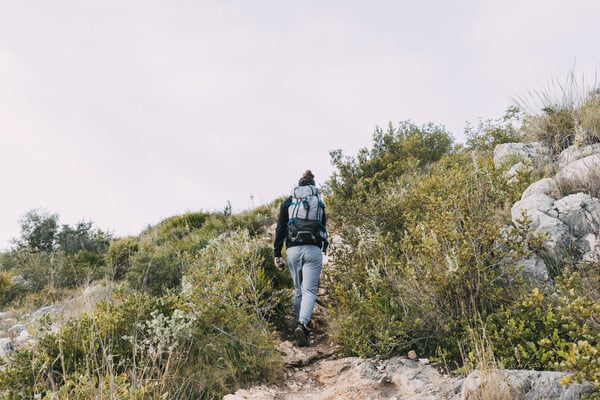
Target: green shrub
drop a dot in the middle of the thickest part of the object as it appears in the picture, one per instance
(426, 261)
(39, 269)
(155, 269)
(551, 332)
(237, 269)
(488, 134)
(394, 153)
(174, 228)
(92, 344)
(256, 221)
(210, 340)
(8, 291)
(119, 256)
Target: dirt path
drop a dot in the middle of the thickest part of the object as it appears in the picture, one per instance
(315, 373)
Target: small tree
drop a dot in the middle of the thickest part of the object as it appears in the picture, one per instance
(38, 230)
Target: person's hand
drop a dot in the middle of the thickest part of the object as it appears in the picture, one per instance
(279, 263)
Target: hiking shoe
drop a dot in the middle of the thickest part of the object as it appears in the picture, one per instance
(301, 334)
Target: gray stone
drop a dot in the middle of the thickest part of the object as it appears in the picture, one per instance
(44, 310)
(6, 347)
(522, 384)
(582, 175)
(537, 206)
(534, 269)
(369, 370)
(580, 212)
(586, 244)
(16, 329)
(23, 337)
(535, 152)
(574, 153)
(545, 186)
(559, 242)
(589, 248)
(18, 280)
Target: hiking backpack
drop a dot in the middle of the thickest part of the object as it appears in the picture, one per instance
(305, 224)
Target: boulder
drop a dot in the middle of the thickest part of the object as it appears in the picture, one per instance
(558, 243)
(574, 153)
(580, 212)
(543, 220)
(15, 330)
(547, 186)
(564, 208)
(582, 175)
(535, 270)
(536, 206)
(6, 347)
(512, 153)
(589, 248)
(521, 384)
(23, 337)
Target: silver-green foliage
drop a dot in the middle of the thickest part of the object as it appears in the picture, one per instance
(212, 338)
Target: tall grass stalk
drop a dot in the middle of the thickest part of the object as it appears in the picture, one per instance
(487, 380)
(563, 114)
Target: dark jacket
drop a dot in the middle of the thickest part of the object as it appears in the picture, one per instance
(282, 224)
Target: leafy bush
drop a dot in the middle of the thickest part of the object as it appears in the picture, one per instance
(425, 262)
(38, 230)
(236, 270)
(155, 269)
(394, 153)
(84, 346)
(488, 134)
(175, 228)
(8, 291)
(156, 261)
(119, 256)
(257, 220)
(551, 332)
(57, 270)
(142, 346)
(51, 257)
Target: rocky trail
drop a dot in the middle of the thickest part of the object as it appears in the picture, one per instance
(316, 373)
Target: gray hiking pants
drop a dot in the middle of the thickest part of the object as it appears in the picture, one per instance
(305, 264)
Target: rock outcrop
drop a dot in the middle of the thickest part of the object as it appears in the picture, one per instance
(22, 330)
(520, 384)
(520, 157)
(403, 378)
(562, 207)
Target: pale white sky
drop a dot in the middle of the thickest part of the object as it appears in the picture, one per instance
(127, 112)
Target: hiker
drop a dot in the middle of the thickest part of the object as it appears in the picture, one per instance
(301, 224)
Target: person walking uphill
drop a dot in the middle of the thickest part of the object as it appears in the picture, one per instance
(301, 225)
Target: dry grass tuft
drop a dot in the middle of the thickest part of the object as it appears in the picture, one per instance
(563, 114)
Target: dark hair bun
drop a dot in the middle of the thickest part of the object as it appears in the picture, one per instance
(307, 178)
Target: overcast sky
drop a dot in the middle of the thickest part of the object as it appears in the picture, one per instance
(127, 112)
